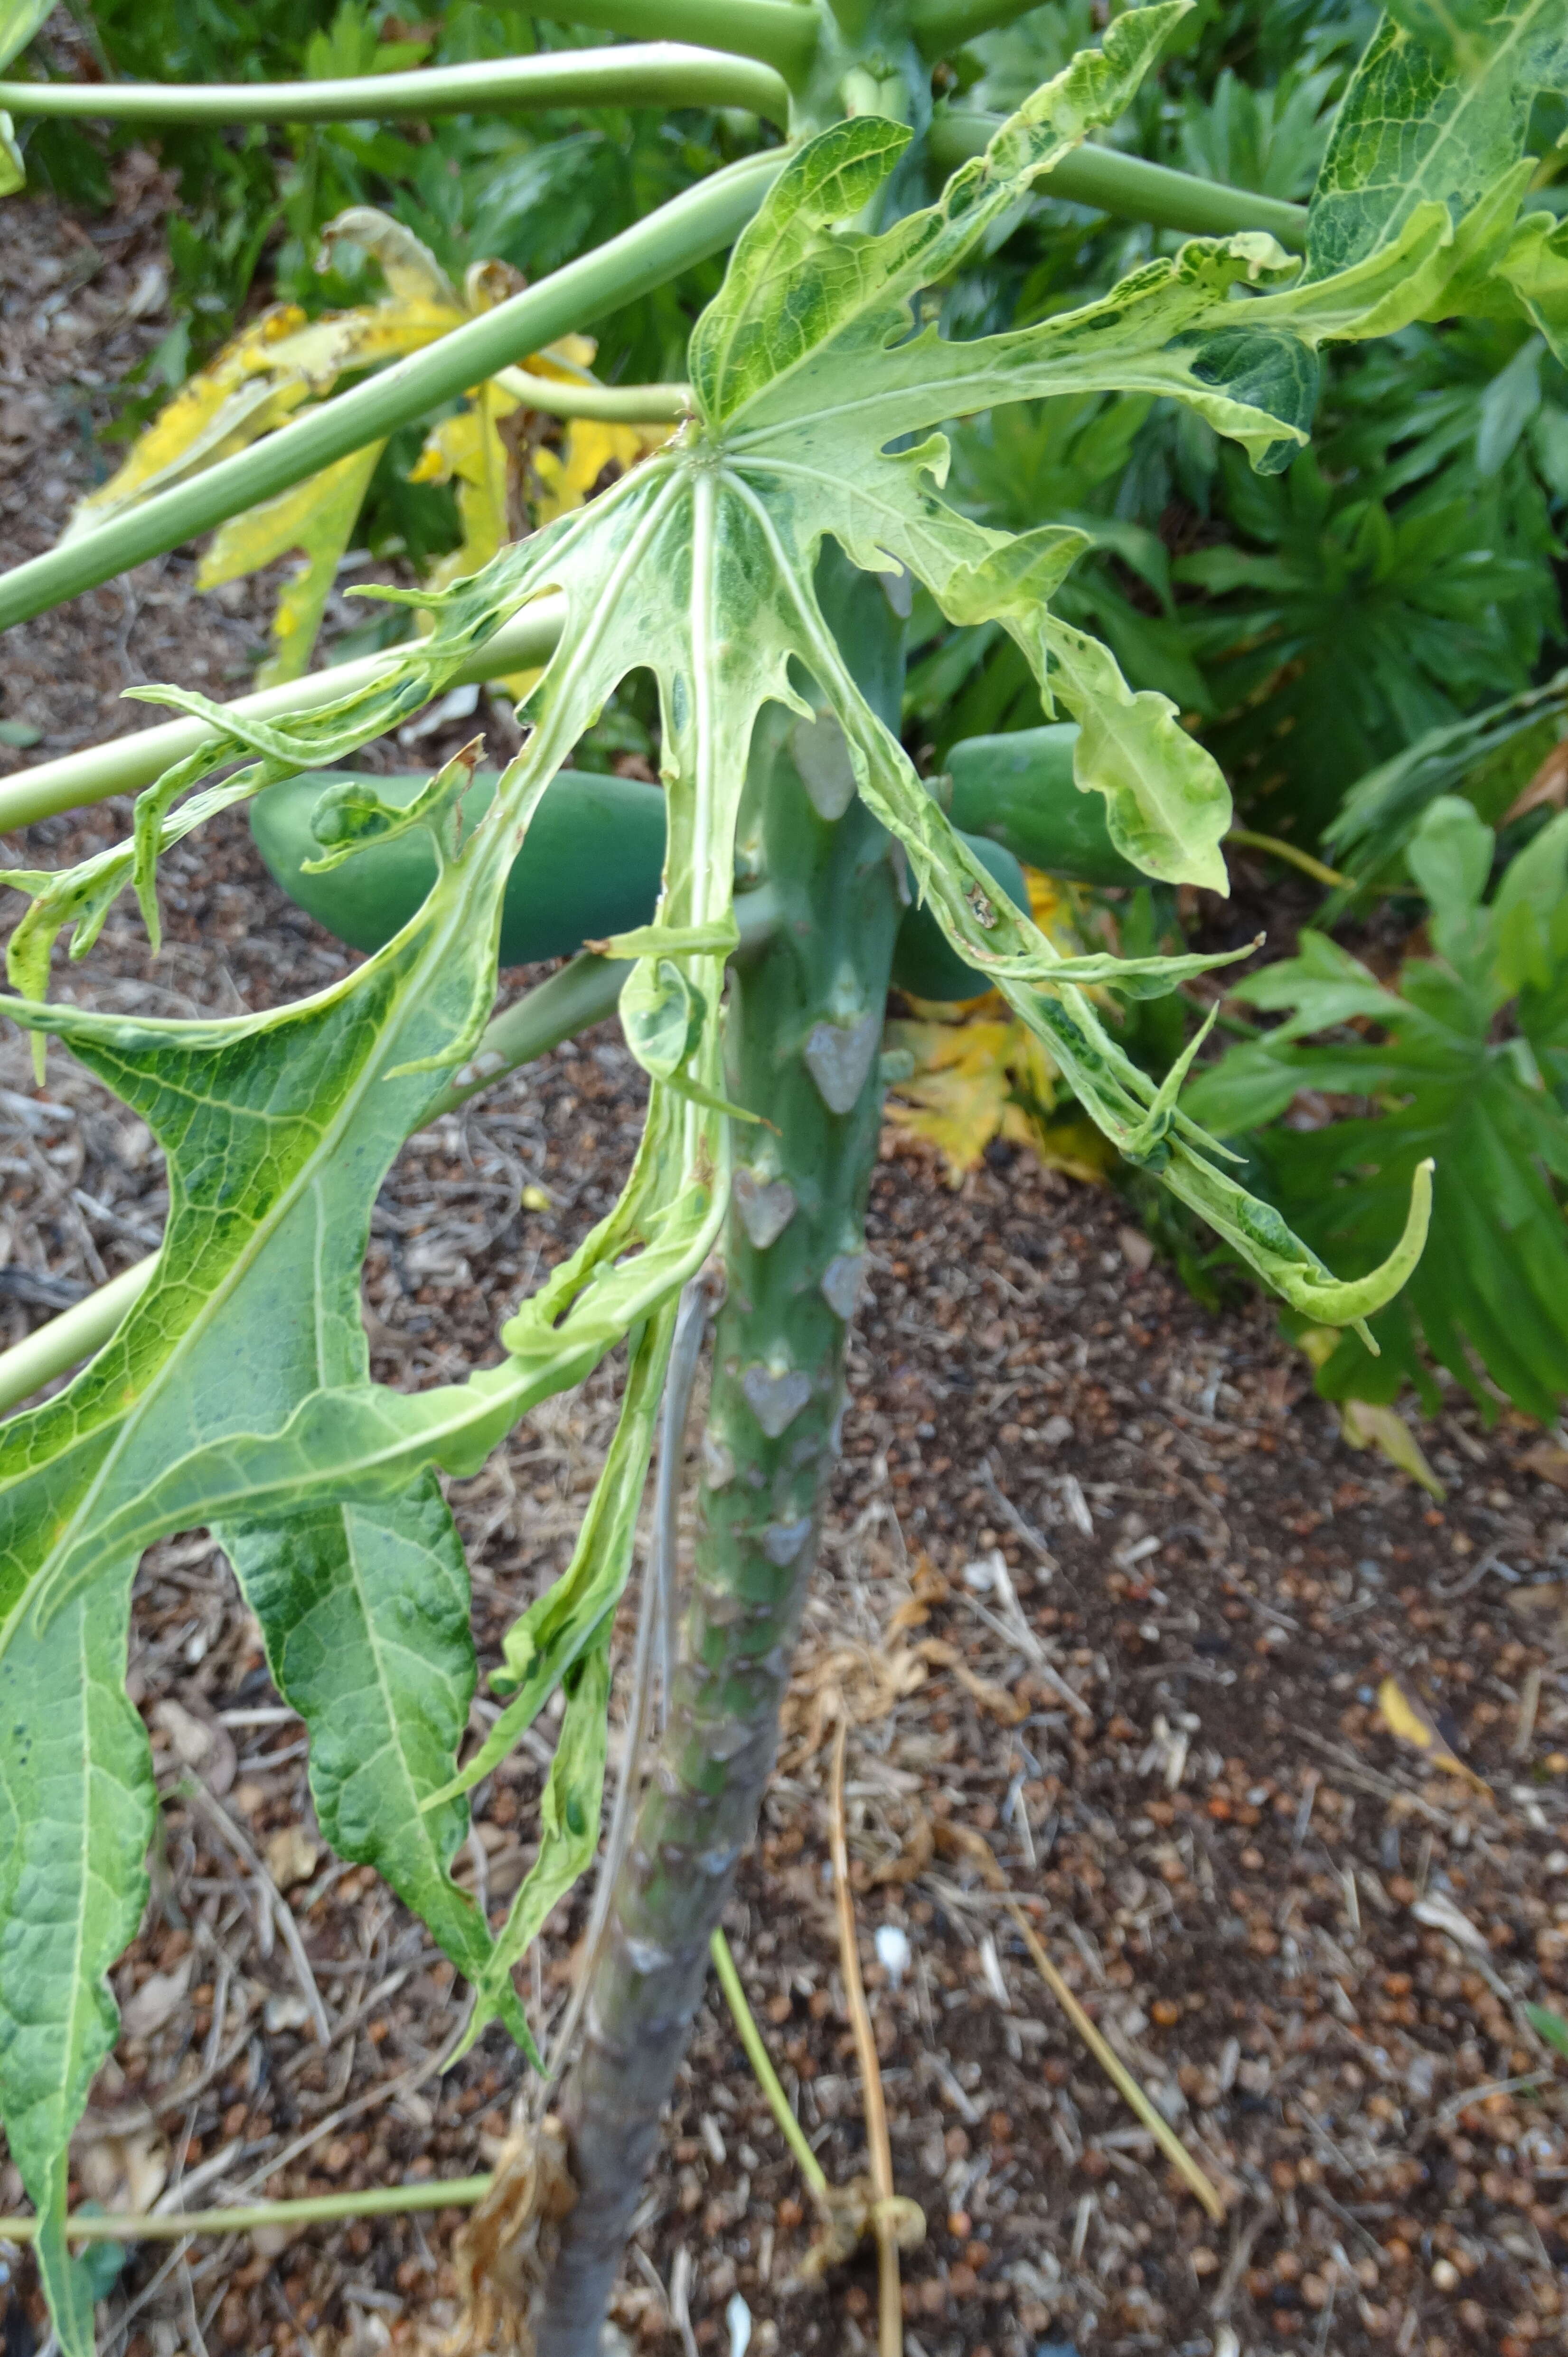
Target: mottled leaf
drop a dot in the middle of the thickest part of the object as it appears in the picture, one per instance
(1436, 115)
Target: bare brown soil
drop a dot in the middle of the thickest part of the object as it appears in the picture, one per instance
(1314, 1954)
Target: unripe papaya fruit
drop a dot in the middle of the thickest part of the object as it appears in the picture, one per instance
(1018, 791)
(592, 864)
(925, 962)
(591, 867)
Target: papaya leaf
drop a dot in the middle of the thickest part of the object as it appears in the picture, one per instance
(76, 1810)
(1436, 115)
(1535, 265)
(364, 1610)
(351, 816)
(540, 1647)
(19, 20)
(568, 1830)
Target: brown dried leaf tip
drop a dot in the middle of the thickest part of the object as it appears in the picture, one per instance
(506, 2246)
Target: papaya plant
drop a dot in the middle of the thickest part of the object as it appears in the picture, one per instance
(759, 564)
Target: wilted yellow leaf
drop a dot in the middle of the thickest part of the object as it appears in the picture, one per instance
(316, 517)
(980, 1073)
(469, 450)
(1071, 1144)
(274, 367)
(589, 446)
(1410, 1722)
(958, 1094)
(1367, 1424)
(284, 360)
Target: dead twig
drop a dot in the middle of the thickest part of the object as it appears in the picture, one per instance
(1013, 1624)
(1165, 2135)
(1018, 1521)
(889, 2302)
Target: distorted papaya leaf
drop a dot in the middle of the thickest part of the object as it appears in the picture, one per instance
(1410, 1722)
(505, 475)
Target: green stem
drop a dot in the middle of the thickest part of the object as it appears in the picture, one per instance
(575, 997)
(940, 27)
(630, 404)
(805, 1024)
(1293, 857)
(656, 73)
(1129, 187)
(778, 32)
(761, 2061)
(317, 2209)
(701, 220)
(128, 763)
(75, 1333)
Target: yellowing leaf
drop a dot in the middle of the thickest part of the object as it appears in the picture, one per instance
(317, 517)
(958, 1095)
(1072, 1146)
(980, 1073)
(272, 367)
(412, 274)
(469, 450)
(591, 446)
(1367, 1424)
(1410, 1722)
(284, 360)
(1050, 903)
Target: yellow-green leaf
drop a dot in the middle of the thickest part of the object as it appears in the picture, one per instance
(317, 518)
(13, 172)
(1410, 1722)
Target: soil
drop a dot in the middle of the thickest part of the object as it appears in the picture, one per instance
(1312, 1947)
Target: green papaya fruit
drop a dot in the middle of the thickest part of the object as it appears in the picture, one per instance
(925, 962)
(1018, 791)
(592, 864)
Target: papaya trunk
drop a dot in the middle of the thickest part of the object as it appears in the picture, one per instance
(805, 1030)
